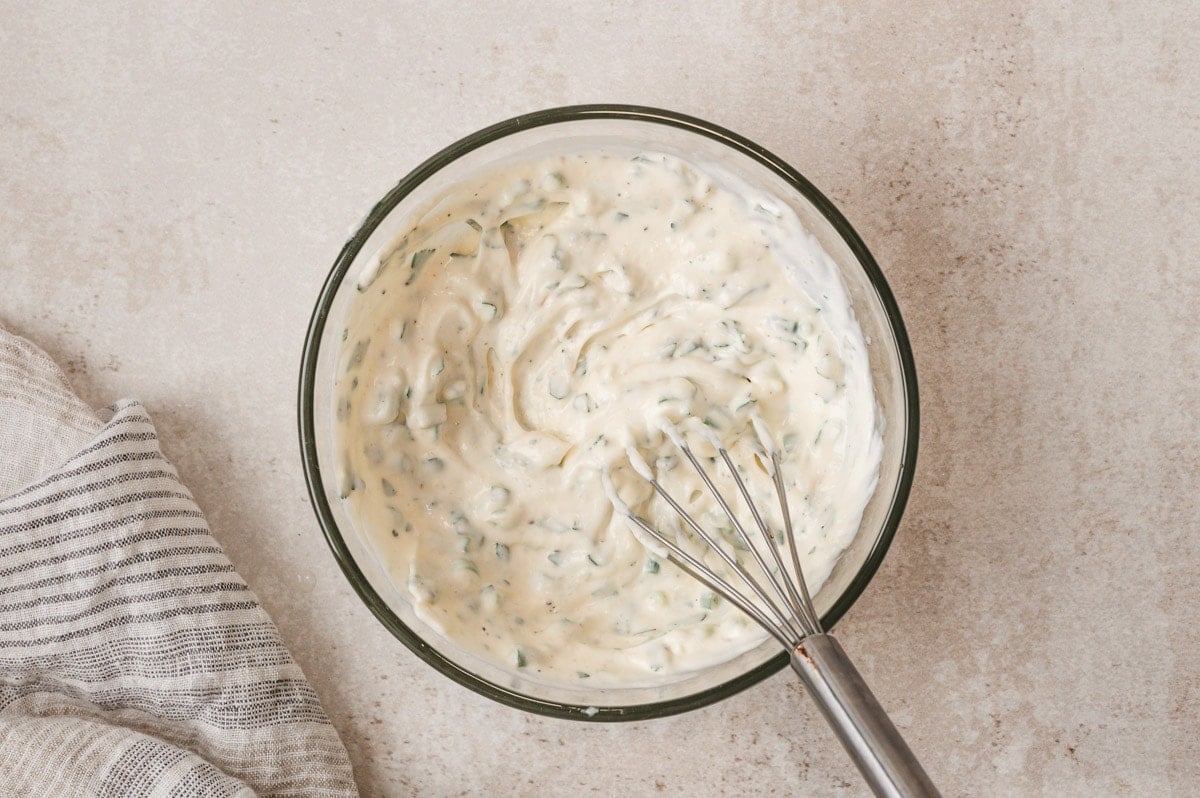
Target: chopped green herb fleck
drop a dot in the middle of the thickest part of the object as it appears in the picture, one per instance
(418, 260)
(572, 283)
(357, 354)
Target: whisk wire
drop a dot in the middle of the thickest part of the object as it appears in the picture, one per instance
(782, 619)
(806, 598)
(699, 572)
(789, 618)
(792, 599)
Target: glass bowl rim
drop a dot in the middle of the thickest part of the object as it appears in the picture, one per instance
(316, 327)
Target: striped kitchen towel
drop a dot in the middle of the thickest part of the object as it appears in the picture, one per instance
(134, 661)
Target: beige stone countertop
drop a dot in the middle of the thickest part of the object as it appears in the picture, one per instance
(175, 184)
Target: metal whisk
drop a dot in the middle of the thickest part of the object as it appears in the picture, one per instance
(787, 613)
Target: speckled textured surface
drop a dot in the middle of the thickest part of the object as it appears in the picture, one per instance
(174, 186)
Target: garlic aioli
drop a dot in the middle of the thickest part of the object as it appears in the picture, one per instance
(531, 325)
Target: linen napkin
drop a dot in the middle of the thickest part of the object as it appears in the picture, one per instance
(134, 661)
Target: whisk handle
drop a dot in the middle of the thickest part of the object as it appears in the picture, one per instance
(859, 721)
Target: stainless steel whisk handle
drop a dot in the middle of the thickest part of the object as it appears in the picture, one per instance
(882, 756)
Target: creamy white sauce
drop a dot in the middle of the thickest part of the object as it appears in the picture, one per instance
(532, 325)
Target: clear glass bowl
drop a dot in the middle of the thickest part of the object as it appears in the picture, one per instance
(625, 128)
